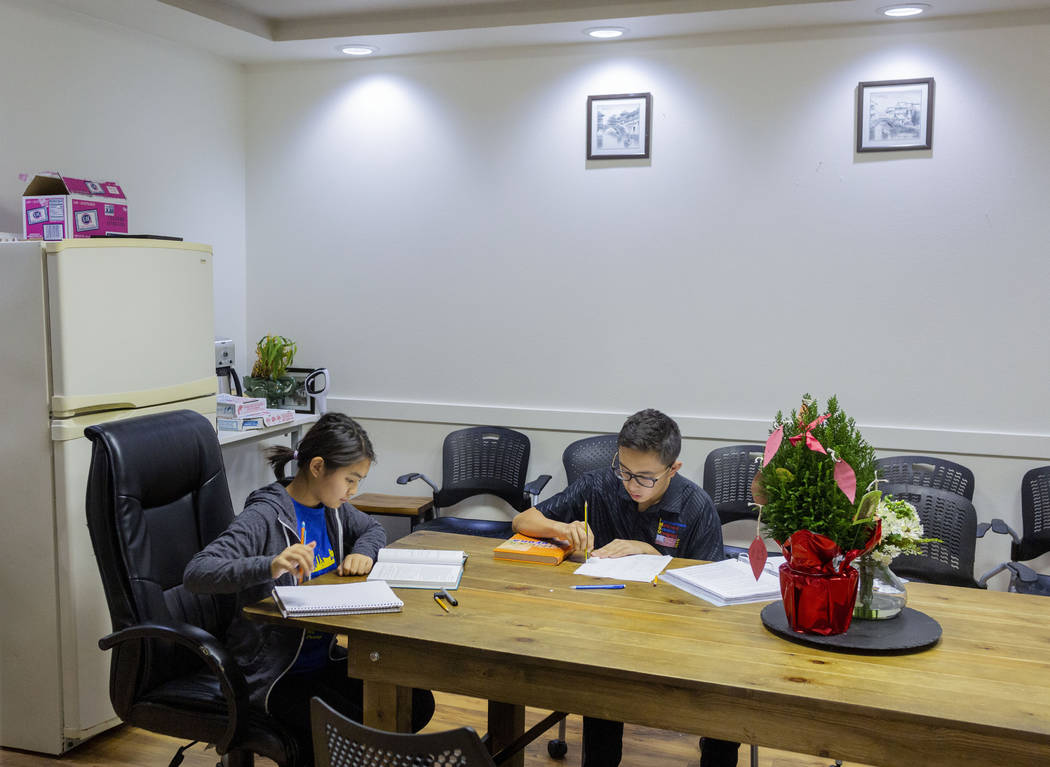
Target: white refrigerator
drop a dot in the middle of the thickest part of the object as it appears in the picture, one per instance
(92, 331)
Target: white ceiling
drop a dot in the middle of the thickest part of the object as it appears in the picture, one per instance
(287, 30)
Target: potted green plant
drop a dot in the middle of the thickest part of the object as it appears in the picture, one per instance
(807, 488)
(269, 378)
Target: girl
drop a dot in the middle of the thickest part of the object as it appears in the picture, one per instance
(290, 531)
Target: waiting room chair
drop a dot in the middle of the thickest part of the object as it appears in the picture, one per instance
(588, 454)
(481, 460)
(949, 517)
(728, 472)
(1034, 540)
(156, 495)
(342, 742)
(926, 471)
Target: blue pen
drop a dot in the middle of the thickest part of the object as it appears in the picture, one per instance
(601, 586)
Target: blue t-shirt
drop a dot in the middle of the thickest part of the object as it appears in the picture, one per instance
(314, 652)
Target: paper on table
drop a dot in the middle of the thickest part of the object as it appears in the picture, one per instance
(636, 567)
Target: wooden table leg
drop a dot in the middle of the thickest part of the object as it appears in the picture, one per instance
(387, 706)
(506, 722)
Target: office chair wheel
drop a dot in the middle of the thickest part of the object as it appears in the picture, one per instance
(557, 748)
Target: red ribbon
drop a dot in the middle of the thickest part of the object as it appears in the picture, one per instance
(845, 476)
(810, 552)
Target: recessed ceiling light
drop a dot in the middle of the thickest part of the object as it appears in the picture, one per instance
(605, 33)
(903, 11)
(357, 50)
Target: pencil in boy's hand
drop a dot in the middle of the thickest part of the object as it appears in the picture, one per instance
(586, 531)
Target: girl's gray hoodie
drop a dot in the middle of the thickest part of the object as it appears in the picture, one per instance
(238, 562)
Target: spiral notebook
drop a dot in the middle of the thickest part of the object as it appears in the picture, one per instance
(336, 599)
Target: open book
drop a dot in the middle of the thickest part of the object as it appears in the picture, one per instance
(336, 599)
(419, 568)
(729, 582)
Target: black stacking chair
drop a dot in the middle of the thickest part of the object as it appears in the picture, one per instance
(588, 454)
(1034, 540)
(926, 471)
(342, 742)
(156, 495)
(953, 519)
(728, 472)
(481, 460)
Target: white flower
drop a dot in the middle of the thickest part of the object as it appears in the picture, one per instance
(901, 530)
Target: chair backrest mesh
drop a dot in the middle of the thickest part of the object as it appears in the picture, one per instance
(340, 742)
(953, 520)
(588, 454)
(728, 472)
(1035, 515)
(484, 460)
(926, 471)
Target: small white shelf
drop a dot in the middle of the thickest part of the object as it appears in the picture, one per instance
(294, 428)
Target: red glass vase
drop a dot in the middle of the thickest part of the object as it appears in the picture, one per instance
(818, 603)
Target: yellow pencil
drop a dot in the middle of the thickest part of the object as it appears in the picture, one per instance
(586, 551)
(438, 599)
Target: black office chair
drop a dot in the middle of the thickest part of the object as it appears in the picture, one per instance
(588, 454)
(481, 460)
(949, 517)
(1034, 540)
(728, 472)
(156, 495)
(342, 742)
(926, 471)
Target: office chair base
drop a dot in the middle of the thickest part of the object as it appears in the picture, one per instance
(557, 749)
(237, 759)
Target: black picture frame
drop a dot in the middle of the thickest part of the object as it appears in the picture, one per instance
(895, 115)
(619, 126)
(299, 400)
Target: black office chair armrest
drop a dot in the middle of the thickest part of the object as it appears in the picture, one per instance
(535, 487)
(998, 526)
(404, 479)
(207, 648)
(1024, 573)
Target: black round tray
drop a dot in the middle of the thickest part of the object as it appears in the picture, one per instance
(910, 631)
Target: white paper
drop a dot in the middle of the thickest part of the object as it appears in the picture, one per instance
(422, 556)
(635, 567)
(728, 582)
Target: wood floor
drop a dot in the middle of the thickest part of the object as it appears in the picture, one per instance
(642, 747)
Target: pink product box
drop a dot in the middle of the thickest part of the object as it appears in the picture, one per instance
(229, 406)
(276, 417)
(55, 207)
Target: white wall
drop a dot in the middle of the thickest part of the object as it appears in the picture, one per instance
(97, 101)
(428, 228)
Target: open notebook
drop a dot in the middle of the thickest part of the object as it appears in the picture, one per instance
(729, 582)
(419, 568)
(336, 599)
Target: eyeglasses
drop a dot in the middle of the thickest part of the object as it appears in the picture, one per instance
(642, 479)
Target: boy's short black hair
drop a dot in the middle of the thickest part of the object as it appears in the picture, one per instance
(652, 431)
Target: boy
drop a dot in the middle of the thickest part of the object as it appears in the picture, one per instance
(639, 505)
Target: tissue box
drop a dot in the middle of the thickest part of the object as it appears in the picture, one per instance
(55, 207)
(229, 406)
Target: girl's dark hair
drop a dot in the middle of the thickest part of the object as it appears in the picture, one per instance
(337, 438)
(653, 432)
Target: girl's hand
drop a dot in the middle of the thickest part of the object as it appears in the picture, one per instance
(622, 548)
(578, 535)
(297, 559)
(355, 564)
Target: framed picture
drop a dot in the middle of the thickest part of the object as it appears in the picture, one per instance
(618, 126)
(895, 115)
(299, 400)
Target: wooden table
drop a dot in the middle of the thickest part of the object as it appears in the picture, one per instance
(398, 514)
(660, 657)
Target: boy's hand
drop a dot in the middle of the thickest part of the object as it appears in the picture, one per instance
(621, 548)
(578, 535)
(297, 559)
(355, 564)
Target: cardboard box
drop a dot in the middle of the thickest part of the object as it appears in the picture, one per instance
(55, 207)
(230, 406)
(256, 421)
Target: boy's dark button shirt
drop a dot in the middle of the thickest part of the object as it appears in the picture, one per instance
(683, 523)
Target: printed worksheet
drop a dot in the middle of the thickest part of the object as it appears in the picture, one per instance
(636, 567)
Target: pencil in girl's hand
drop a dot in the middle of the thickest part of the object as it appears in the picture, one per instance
(302, 533)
